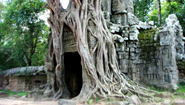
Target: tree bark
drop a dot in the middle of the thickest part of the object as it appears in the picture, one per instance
(159, 12)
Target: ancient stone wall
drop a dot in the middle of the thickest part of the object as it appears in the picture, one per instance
(150, 60)
(22, 83)
(69, 40)
(145, 53)
(23, 79)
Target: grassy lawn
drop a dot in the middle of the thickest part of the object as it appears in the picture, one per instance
(11, 93)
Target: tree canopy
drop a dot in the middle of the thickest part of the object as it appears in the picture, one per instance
(23, 34)
(169, 7)
(142, 8)
(147, 10)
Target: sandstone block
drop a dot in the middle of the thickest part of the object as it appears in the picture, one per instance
(66, 102)
(134, 100)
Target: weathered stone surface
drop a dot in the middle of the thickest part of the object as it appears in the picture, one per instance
(145, 25)
(133, 36)
(3, 95)
(179, 103)
(21, 71)
(163, 95)
(66, 102)
(151, 23)
(69, 40)
(36, 95)
(134, 100)
(162, 71)
(114, 29)
(23, 78)
(132, 19)
(116, 4)
(106, 7)
(116, 103)
(129, 6)
(164, 61)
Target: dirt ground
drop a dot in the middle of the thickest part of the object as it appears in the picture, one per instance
(166, 99)
(10, 101)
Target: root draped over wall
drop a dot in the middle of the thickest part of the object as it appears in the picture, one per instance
(100, 73)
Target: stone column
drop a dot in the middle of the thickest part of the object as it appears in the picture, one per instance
(129, 6)
(106, 8)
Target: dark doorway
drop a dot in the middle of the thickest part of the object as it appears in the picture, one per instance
(73, 73)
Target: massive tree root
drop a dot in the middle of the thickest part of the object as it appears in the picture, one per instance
(101, 75)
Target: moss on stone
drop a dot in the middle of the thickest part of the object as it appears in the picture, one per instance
(147, 34)
(148, 45)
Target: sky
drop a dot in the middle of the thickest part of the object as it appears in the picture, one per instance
(45, 15)
(64, 3)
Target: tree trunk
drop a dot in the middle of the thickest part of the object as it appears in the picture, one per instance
(159, 12)
(100, 73)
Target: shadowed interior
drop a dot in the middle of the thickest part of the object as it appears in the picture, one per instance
(73, 73)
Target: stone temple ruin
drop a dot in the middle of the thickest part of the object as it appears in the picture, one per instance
(145, 53)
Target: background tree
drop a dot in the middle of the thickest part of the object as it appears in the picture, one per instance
(177, 7)
(159, 11)
(24, 33)
(169, 7)
(142, 8)
(2, 10)
(2, 7)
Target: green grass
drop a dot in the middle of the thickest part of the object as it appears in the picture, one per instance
(22, 94)
(11, 93)
(181, 89)
(180, 92)
(157, 89)
(90, 100)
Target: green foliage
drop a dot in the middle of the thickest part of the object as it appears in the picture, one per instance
(89, 100)
(22, 94)
(142, 8)
(169, 7)
(6, 61)
(182, 83)
(97, 99)
(181, 65)
(157, 89)
(177, 7)
(93, 100)
(23, 33)
(2, 8)
(181, 89)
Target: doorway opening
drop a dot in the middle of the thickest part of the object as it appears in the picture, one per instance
(73, 73)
